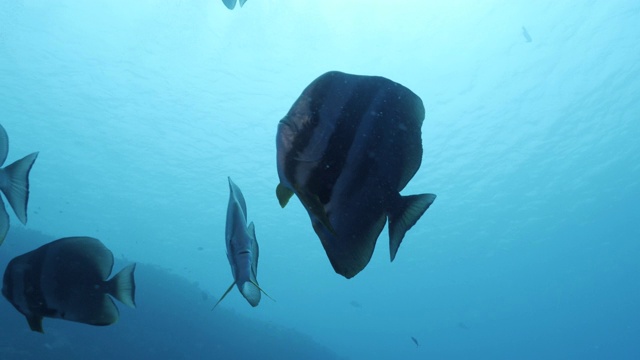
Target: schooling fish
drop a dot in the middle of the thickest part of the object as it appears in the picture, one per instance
(14, 183)
(242, 248)
(230, 4)
(415, 341)
(347, 147)
(67, 279)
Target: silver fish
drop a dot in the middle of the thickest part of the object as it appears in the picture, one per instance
(242, 248)
(14, 183)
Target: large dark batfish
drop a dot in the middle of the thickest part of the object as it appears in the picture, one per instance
(230, 4)
(347, 147)
(14, 183)
(67, 279)
(242, 248)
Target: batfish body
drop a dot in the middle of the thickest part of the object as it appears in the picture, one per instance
(347, 147)
(67, 279)
(242, 248)
(14, 184)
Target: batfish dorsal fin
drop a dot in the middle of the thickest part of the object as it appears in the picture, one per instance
(404, 215)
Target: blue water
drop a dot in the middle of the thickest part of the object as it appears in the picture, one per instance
(140, 111)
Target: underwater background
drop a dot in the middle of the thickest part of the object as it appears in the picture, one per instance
(141, 109)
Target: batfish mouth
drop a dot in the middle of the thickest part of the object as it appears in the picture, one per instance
(243, 252)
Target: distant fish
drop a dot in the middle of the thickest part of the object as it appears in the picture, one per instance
(242, 248)
(415, 341)
(526, 35)
(14, 183)
(347, 147)
(462, 325)
(355, 304)
(230, 4)
(67, 279)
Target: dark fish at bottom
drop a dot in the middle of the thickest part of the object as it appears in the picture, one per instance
(67, 279)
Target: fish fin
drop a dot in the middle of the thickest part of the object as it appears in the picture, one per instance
(251, 230)
(124, 286)
(242, 2)
(223, 295)
(264, 292)
(35, 323)
(315, 207)
(404, 214)
(284, 194)
(230, 4)
(4, 145)
(4, 222)
(17, 189)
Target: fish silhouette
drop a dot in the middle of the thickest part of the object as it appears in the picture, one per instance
(67, 279)
(346, 148)
(242, 248)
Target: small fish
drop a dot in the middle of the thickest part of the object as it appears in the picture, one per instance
(462, 325)
(14, 183)
(526, 35)
(355, 304)
(230, 4)
(415, 341)
(346, 148)
(242, 248)
(67, 279)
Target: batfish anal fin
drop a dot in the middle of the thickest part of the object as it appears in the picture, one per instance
(284, 194)
(17, 189)
(35, 323)
(223, 295)
(123, 286)
(403, 215)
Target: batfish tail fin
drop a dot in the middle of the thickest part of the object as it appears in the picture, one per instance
(123, 286)
(4, 222)
(17, 188)
(223, 295)
(403, 215)
(251, 291)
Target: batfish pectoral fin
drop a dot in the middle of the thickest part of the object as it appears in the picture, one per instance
(264, 292)
(223, 295)
(314, 206)
(284, 194)
(35, 323)
(404, 213)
